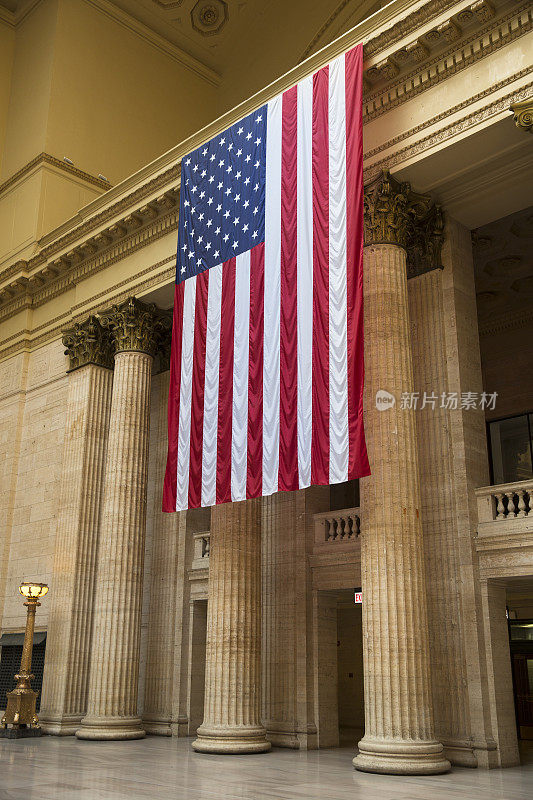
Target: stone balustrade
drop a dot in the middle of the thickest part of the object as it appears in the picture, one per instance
(332, 527)
(505, 508)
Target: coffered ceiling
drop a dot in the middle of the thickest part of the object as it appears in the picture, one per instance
(503, 261)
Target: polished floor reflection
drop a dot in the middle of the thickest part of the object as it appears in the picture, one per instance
(53, 768)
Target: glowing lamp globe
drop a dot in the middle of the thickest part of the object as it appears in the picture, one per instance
(33, 590)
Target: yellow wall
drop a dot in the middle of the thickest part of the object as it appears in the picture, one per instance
(87, 87)
(118, 101)
(7, 47)
(30, 87)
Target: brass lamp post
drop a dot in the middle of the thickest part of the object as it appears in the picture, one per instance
(20, 713)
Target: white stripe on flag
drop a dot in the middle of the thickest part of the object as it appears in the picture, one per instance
(271, 384)
(241, 339)
(338, 337)
(212, 371)
(184, 430)
(304, 281)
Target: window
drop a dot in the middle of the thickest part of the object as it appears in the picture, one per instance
(510, 444)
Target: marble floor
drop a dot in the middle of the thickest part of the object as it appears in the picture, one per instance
(53, 768)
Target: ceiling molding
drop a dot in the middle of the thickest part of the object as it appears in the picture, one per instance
(156, 40)
(7, 17)
(314, 43)
(46, 158)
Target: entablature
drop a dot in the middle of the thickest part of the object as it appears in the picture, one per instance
(422, 43)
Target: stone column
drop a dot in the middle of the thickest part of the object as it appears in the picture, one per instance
(64, 695)
(399, 736)
(112, 700)
(470, 469)
(500, 680)
(232, 706)
(287, 529)
(450, 701)
(168, 582)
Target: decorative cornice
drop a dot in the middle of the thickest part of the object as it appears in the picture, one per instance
(464, 52)
(46, 158)
(169, 177)
(88, 343)
(449, 112)
(126, 247)
(137, 326)
(523, 114)
(394, 214)
(52, 329)
(134, 231)
(448, 131)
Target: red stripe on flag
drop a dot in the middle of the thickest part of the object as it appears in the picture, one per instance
(320, 436)
(198, 384)
(169, 485)
(254, 478)
(225, 390)
(358, 465)
(288, 423)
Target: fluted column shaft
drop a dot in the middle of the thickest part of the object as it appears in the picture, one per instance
(166, 590)
(287, 642)
(64, 698)
(232, 705)
(399, 736)
(112, 702)
(450, 702)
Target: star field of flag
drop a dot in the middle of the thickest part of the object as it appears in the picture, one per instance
(222, 198)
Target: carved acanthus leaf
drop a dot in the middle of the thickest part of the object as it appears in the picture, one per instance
(88, 343)
(135, 325)
(395, 214)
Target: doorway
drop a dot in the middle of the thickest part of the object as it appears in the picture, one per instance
(520, 618)
(340, 668)
(197, 633)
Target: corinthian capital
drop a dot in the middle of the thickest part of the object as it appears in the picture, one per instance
(395, 214)
(134, 325)
(88, 343)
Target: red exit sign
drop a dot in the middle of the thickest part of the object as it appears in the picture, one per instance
(358, 596)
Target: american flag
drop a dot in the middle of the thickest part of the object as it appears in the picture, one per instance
(266, 372)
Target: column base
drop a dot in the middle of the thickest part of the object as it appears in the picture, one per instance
(460, 753)
(157, 726)
(109, 728)
(401, 757)
(60, 725)
(281, 734)
(245, 739)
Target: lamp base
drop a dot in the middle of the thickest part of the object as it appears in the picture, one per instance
(20, 733)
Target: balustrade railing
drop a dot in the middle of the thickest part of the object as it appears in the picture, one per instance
(508, 505)
(332, 527)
